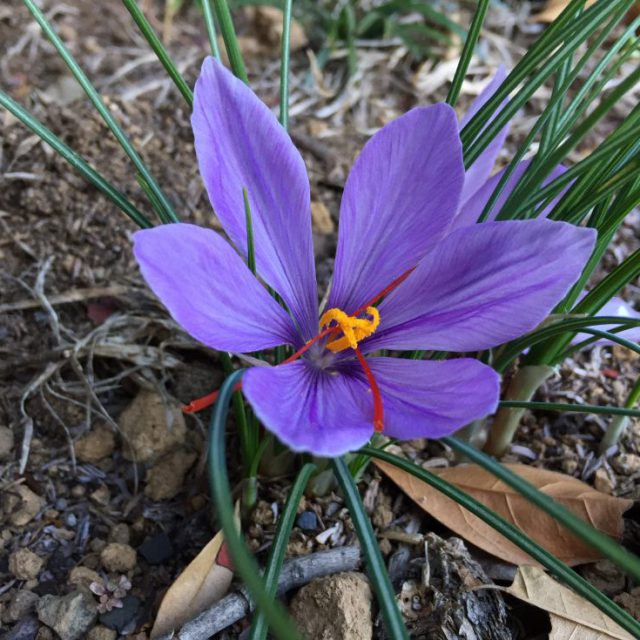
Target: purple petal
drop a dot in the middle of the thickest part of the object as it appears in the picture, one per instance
(209, 290)
(310, 409)
(471, 210)
(240, 144)
(615, 307)
(484, 285)
(431, 399)
(480, 170)
(399, 199)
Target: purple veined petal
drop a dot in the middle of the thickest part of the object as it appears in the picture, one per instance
(208, 289)
(310, 409)
(480, 170)
(399, 199)
(483, 285)
(431, 399)
(240, 144)
(614, 307)
(472, 209)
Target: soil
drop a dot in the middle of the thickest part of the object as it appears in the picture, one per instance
(81, 337)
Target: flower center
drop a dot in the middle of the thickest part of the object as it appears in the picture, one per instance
(353, 329)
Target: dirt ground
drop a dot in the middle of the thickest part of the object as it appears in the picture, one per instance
(91, 367)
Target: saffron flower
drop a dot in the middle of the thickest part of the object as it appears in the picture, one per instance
(402, 280)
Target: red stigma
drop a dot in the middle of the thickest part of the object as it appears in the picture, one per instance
(378, 409)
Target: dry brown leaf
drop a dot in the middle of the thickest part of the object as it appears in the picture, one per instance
(571, 616)
(205, 581)
(602, 511)
(552, 9)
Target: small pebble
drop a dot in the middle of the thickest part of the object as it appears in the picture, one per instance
(157, 549)
(307, 521)
(24, 564)
(119, 619)
(118, 557)
(71, 520)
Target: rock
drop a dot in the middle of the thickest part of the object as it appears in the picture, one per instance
(166, 478)
(118, 557)
(307, 521)
(20, 606)
(604, 481)
(605, 576)
(626, 464)
(70, 616)
(321, 219)
(338, 606)
(24, 564)
(101, 495)
(631, 602)
(44, 633)
(95, 445)
(266, 24)
(83, 576)
(157, 549)
(120, 533)
(6, 443)
(102, 633)
(26, 629)
(21, 504)
(151, 428)
(119, 619)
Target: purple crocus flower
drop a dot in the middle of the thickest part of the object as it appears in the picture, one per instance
(471, 289)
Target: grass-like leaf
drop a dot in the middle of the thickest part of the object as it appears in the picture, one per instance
(519, 538)
(260, 627)
(374, 562)
(230, 39)
(243, 561)
(211, 28)
(564, 407)
(169, 215)
(628, 562)
(159, 49)
(467, 51)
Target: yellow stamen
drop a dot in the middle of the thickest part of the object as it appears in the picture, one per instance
(353, 329)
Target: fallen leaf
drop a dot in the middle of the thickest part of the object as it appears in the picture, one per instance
(552, 9)
(571, 615)
(602, 511)
(206, 580)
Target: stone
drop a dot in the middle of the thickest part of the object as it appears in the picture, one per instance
(7, 441)
(166, 478)
(626, 464)
(95, 445)
(118, 557)
(24, 564)
(44, 633)
(151, 428)
(337, 606)
(156, 549)
(120, 619)
(630, 601)
(102, 633)
(21, 504)
(604, 481)
(307, 521)
(26, 629)
(70, 616)
(120, 533)
(83, 576)
(22, 604)
(101, 496)
(321, 219)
